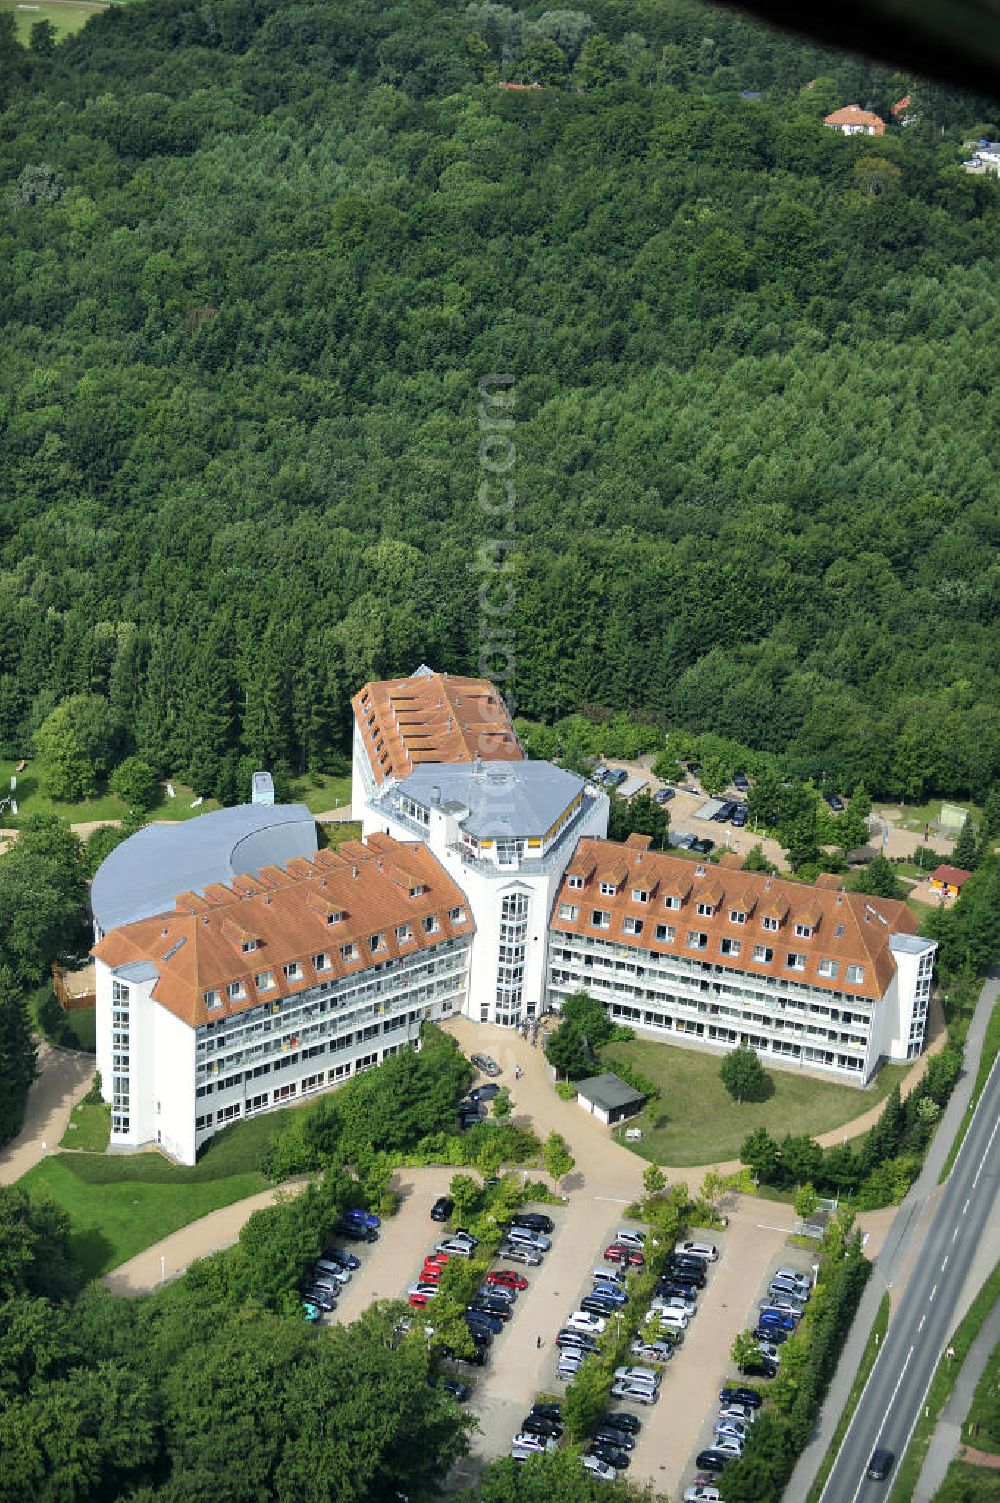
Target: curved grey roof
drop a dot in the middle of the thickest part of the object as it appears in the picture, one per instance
(502, 798)
(144, 874)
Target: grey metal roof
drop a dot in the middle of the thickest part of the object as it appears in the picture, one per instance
(632, 785)
(910, 944)
(144, 874)
(503, 799)
(608, 1091)
(709, 809)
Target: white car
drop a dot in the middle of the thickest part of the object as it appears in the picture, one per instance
(706, 1250)
(639, 1393)
(526, 1442)
(731, 1427)
(608, 1275)
(630, 1239)
(428, 1290)
(675, 1302)
(671, 1320)
(728, 1445)
(802, 1279)
(741, 1412)
(570, 1363)
(523, 1236)
(453, 1248)
(599, 1468)
(652, 1351)
(702, 1492)
(582, 1320)
(784, 1304)
(637, 1375)
(770, 1350)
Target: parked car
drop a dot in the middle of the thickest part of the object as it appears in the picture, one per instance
(802, 1279)
(328, 1286)
(651, 1351)
(496, 1291)
(478, 1357)
(611, 1454)
(335, 1271)
(481, 1324)
(506, 1278)
(705, 1250)
(702, 1492)
(355, 1232)
(735, 1393)
(714, 1459)
(345, 1259)
(726, 1426)
(442, 1208)
(484, 1092)
(515, 1253)
(526, 1237)
(532, 1442)
(608, 1435)
(310, 1311)
(593, 1304)
(629, 1238)
(778, 1318)
(835, 801)
(675, 1302)
(785, 1304)
(740, 815)
(681, 840)
(548, 1411)
(620, 1419)
(616, 1253)
(535, 1221)
(670, 1320)
(362, 1218)
(636, 1393)
(456, 1389)
(785, 1286)
(488, 1066)
(584, 1320)
(570, 1364)
(417, 1301)
(534, 1424)
(729, 1445)
(741, 781)
(725, 809)
(771, 1335)
(769, 1350)
(613, 1276)
(610, 1293)
(454, 1248)
(760, 1367)
(599, 1467)
(741, 1412)
(638, 1375)
(575, 1341)
(320, 1298)
(702, 846)
(496, 1308)
(669, 1286)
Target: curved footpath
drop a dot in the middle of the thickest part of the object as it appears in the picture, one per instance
(64, 1076)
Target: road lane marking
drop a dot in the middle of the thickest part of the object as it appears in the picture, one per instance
(932, 1294)
(989, 1145)
(954, 1234)
(944, 1265)
(916, 1415)
(921, 1325)
(858, 1409)
(965, 1208)
(885, 1420)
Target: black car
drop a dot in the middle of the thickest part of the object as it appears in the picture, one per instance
(442, 1208)
(548, 1411)
(477, 1358)
(577, 1341)
(607, 1435)
(489, 1325)
(484, 1092)
(613, 1455)
(739, 817)
(354, 1233)
(725, 810)
(319, 1297)
(737, 1394)
(592, 1304)
(881, 1463)
(837, 805)
(621, 1419)
(712, 1461)
(774, 1334)
(534, 1221)
(535, 1424)
(457, 1389)
(741, 781)
(760, 1367)
(702, 846)
(496, 1308)
(345, 1259)
(675, 1288)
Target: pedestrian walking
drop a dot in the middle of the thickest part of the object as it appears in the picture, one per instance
(538, 1343)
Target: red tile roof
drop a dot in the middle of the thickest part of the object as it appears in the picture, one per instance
(196, 947)
(847, 927)
(853, 114)
(953, 875)
(433, 717)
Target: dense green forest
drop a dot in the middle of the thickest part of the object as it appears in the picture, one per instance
(255, 259)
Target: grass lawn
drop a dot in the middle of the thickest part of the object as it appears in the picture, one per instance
(119, 1204)
(982, 1423)
(968, 1484)
(82, 1023)
(89, 1128)
(915, 816)
(337, 834)
(319, 791)
(66, 18)
(696, 1121)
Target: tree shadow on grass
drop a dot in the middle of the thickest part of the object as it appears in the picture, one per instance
(92, 1250)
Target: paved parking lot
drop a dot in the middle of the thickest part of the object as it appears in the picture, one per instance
(755, 1261)
(389, 1265)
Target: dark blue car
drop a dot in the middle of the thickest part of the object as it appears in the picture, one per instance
(362, 1218)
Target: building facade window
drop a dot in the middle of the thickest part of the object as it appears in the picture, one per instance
(513, 948)
(631, 925)
(855, 975)
(569, 911)
(600, 918)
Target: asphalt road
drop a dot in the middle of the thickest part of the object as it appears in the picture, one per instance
(919, 1331)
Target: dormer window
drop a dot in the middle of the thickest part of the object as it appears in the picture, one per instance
(855, 974)
(431, 924)
(418, 890)
(600, 918)
(569, 911)
(404, 933)
(673, 901)
(456, 915)
(236, 991)
(665, 933)
(770, 923)
(803, 931)
(348, 952)
(696, 940)
(264, 981)
(212, 998)
(737, 916)
(705, 910)
(249, 945)
(631, 925)
(576, 883)
(335, 916)
(321, 963)
(829, 968)
(763, 954)
(640, 895)
(376, 942)
(293, 971)
(730, 947)
(608, 889)
(795, 962)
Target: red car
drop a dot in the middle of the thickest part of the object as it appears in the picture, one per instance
(506, 1278)
(418, 1301)
(430, 1274)
(436, 1259)
(627, 1256)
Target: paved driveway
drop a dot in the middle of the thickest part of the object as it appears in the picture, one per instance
(63, 1078)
